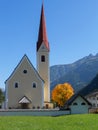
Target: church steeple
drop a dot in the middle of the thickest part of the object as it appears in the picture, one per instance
(43, 56)
(42, 36)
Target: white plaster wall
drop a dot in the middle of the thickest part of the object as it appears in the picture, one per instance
(44, 70)
(25, 88)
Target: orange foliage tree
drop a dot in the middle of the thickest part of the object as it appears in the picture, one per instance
(61, 93)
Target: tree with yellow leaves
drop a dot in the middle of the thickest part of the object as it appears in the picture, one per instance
(61, 93)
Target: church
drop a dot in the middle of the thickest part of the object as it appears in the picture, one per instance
(27, 87)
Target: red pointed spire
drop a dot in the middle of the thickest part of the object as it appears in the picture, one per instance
(42, 37)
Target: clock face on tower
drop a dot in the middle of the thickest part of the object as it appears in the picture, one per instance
(43, 47)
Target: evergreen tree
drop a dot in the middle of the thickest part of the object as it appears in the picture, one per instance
(1, 96)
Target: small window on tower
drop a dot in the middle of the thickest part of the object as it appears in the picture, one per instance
(43, 58)
(43, 47)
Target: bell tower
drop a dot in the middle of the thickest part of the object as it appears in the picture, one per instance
(43, 56)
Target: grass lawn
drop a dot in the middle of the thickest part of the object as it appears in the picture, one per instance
(68, 122)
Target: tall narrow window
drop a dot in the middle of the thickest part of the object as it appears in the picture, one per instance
(43, 58)
(34, 85)
(16, 85)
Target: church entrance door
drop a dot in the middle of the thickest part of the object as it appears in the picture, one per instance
(25, 103)
(24, 106)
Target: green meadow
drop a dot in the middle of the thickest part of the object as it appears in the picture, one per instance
(68, 122)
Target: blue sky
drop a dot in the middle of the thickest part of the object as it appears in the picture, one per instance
(72, 29)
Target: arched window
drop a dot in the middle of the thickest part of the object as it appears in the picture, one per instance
(16, 85)
(34, 85)
(83, 103)
(75, 103)
(42, 58)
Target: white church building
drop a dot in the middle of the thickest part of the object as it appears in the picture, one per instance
(27, 87)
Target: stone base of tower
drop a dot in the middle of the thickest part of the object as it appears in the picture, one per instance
(48, 105)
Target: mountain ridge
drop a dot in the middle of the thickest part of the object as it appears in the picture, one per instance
(91, 87)
(78, 73)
